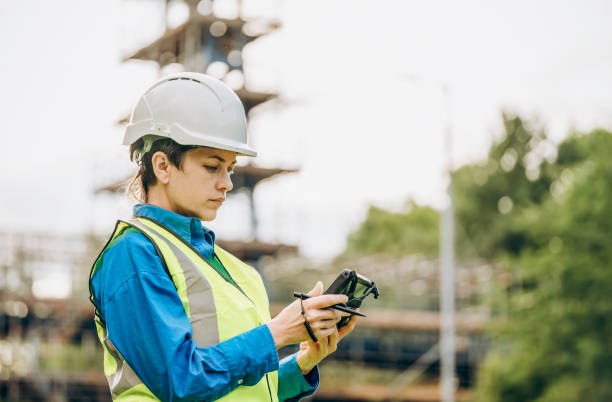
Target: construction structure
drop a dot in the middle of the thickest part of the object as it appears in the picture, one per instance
(49, 347)
(208, 44)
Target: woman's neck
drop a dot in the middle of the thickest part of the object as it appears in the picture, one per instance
(158, 197)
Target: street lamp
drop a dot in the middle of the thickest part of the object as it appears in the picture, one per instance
(447, 257)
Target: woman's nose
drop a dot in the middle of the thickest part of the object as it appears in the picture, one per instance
(225, 182)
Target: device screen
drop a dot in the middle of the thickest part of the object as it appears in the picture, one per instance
(360, 290)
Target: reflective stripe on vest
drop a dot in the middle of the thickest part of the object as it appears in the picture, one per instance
(217, 309)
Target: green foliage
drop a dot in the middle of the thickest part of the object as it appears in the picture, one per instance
(545, 213)
(483, 230)
(416, 230)
(553, 343)
(490, 196)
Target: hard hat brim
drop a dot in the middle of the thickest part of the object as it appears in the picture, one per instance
(176, 132)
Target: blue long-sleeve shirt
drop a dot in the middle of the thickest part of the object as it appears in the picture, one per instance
(147, 324)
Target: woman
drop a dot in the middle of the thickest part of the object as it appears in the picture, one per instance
(180, 318)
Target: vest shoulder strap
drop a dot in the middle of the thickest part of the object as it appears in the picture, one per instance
(121, 228)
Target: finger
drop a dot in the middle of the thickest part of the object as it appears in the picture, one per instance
(348, 327)
(323, 333)
(323, 345)
(338, 312)
(344, 331)
(322, 301)
(309, 344)
(334, 336)
(317, 290)
(323, 325)
(333, 342)
(319, 315)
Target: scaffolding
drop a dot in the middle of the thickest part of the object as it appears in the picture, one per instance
(206, 41)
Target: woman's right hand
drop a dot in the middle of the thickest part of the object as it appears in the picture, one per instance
(288, 327)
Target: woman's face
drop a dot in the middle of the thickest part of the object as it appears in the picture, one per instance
(198, 189)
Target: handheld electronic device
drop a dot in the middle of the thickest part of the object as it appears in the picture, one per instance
(355, 286)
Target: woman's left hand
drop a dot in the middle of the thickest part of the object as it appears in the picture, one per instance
(311, 353)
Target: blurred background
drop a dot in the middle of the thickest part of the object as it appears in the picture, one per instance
(401, 139)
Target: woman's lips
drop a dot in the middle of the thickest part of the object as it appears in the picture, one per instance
(217, 201)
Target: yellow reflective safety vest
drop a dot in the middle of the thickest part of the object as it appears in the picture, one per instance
(218, 310)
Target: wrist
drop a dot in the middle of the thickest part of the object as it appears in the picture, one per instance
(277, 334)
(305, 364)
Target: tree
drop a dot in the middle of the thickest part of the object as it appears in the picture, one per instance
(412, 231)
(543, 212)
(490, 196)
(553, 343)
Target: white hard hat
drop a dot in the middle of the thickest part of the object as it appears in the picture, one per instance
(191, 109)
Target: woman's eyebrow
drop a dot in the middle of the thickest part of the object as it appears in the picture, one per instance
(219, 158)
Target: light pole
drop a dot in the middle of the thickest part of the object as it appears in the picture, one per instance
(447, 272)
(447, 258)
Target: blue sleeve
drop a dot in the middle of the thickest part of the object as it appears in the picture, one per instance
(292, 384)
(147, 324)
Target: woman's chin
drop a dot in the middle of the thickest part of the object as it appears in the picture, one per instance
(208, 215)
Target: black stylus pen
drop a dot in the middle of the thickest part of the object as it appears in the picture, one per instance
(335, 306)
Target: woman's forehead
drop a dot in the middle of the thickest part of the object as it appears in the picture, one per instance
(220, 154)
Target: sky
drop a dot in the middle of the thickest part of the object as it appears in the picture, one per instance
(361, 110)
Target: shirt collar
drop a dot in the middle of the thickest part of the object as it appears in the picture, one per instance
(190, 229)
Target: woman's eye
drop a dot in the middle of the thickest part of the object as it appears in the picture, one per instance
(211, 169)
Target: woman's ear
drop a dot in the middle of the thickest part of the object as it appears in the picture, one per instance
(161, 167)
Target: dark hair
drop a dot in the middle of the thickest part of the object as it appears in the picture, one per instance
(139, 185)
